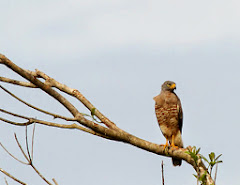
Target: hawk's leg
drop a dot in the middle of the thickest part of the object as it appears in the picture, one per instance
(164, 146)
(172, 143)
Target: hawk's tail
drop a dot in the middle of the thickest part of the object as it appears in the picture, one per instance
(178, 142)
(176, 162)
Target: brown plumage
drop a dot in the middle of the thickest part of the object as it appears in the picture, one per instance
(169, 115)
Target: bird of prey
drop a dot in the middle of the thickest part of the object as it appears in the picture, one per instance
(170, 117)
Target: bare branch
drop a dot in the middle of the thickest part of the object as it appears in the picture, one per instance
(19, 145)
(36, 108)
(97, 128)
(16, 82)
(12, 155)
(5, 180)
(33, 120)
(25, 74)
(162, 174)
(215, 177)
(55, 182)
(12, 122)
(35, 169)
(26, 139)
(73, 92)
(13, 114)
(12, 177)
(33, 134)
(28, 158)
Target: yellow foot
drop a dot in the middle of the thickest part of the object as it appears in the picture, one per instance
(174, 146)
(166, 144)
(172, 143)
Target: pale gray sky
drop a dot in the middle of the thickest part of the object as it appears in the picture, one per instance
(118, 53)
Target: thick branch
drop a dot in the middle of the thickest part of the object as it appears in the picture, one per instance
(45, 87)
(112, 131)
(38, 83)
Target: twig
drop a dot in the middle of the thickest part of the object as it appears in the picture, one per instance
(38, 109)
(16, 82)
(14, 114)
(12, 177)
(55, 182)
(33, 134)
(26, 139)
(19, 145)
(215, 177)
(35, 169)
(162, 174)
(28, 158)
(12, 155)
(33, 120)
(5, 180)
(13, 123)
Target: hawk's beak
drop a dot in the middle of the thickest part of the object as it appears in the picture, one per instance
(173, 86)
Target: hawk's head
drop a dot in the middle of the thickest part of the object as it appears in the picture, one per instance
(168, 86)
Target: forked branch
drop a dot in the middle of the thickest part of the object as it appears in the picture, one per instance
(27, 155)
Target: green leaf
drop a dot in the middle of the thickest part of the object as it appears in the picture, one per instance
(212, 156)
(205, 159)
(195, 176)
(218, 157)
(198, 150)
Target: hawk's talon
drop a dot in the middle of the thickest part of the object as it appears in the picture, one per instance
(164, 147)
(166, 144)
(174, 146)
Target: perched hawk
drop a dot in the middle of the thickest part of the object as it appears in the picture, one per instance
(169, 115)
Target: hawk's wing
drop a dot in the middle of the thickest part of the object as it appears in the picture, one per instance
(180, 114)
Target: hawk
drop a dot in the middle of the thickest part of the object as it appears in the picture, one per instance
(170, 117)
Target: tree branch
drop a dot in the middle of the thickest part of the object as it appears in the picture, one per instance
(36, 108)
(12, 155)
(27, 156)
(111, 131)
(47, 123)
(16, 82)
(74, 92)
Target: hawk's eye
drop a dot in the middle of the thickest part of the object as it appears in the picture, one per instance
(168, 85)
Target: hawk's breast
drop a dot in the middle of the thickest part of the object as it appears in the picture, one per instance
(167, 117)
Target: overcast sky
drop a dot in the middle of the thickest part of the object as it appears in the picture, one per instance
(118, 54)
